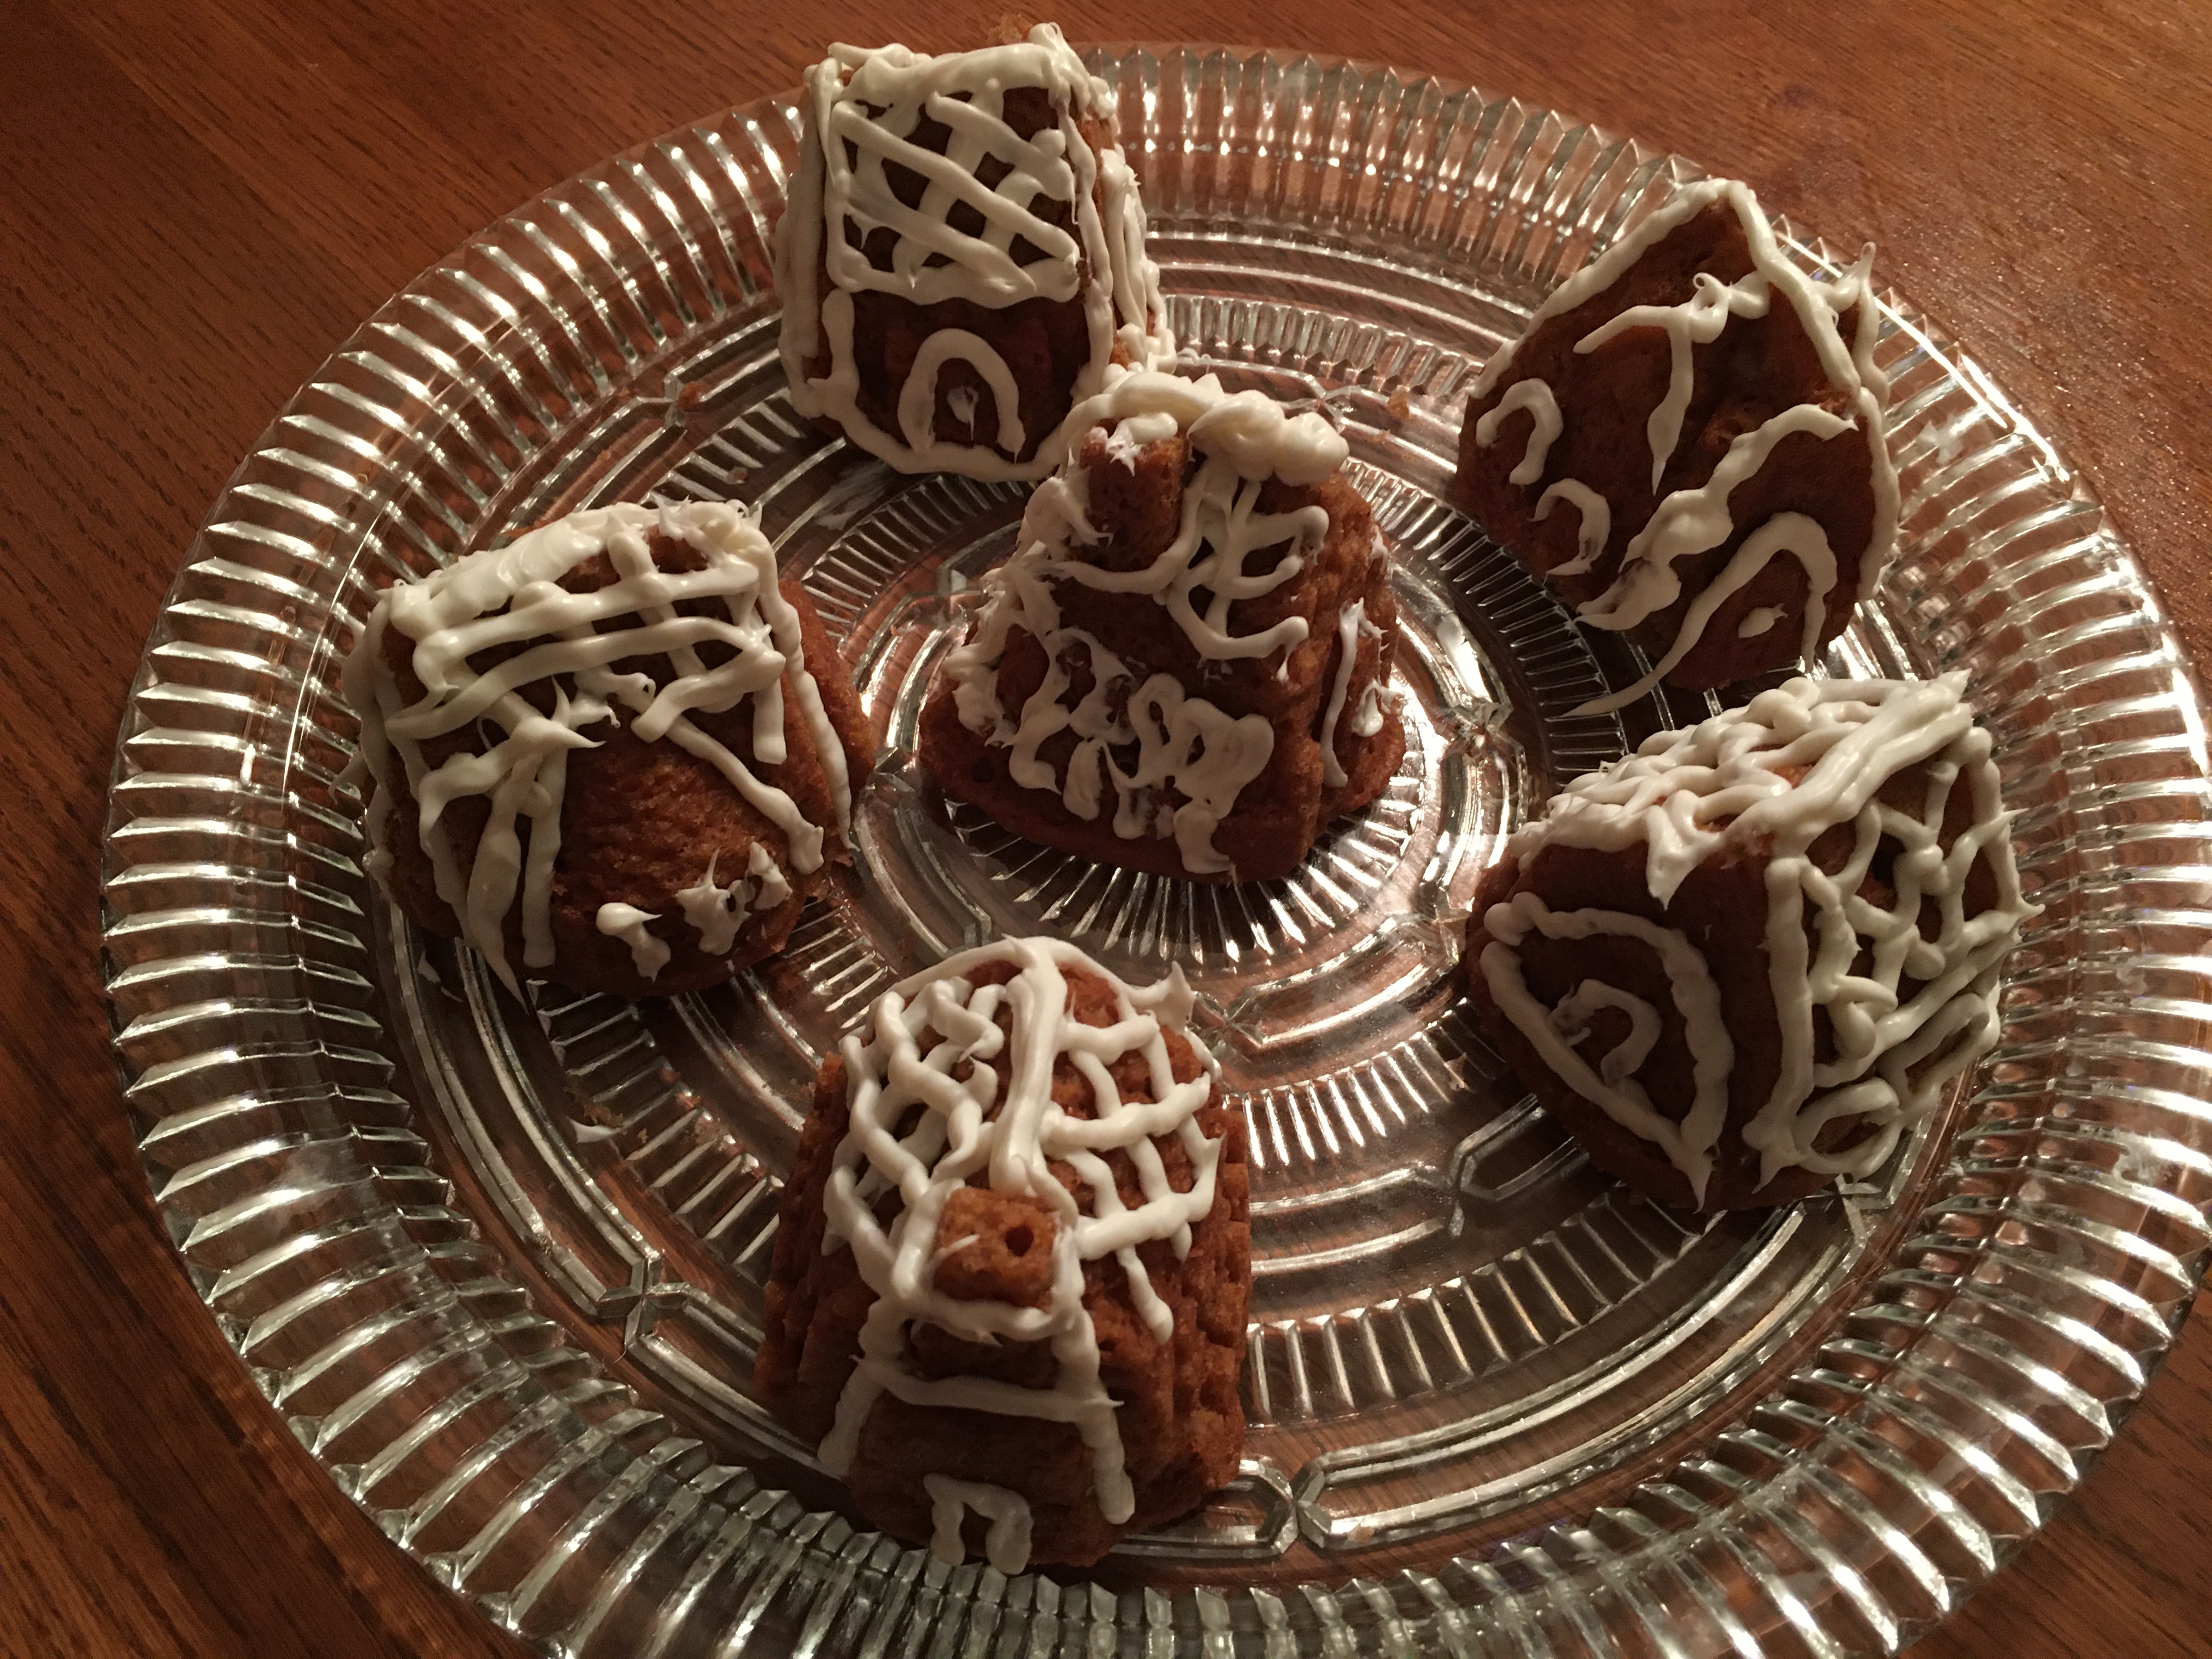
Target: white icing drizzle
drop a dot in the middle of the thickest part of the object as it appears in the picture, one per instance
(1784, 277)
(770, 886)
(1853, 286)
(1006, 1542)
(1686, 795)
(715, 913)
(1220, 515)
(1535, 397)
(1367, 718)
(873, 101)
(1248, 430)
(918, 397)
(964, 1130)
(510, 596)
(1785, 532)
(1689, 521)
(1697, 320)
(1571, 1020)
(1186, 745)
(718, 914)
(626, 923)
(1597, 523)
(1351, 625)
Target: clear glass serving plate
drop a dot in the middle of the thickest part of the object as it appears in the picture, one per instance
(500, 1266)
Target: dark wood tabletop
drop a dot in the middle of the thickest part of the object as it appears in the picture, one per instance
(200, 198)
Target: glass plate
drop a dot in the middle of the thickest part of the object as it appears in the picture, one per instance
(500, 1266)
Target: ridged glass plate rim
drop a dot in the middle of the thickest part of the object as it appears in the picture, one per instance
(1818, 1522)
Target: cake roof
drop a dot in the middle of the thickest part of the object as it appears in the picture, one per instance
(867, 102)
(1786, 766)
(1818, 304)
(1249, 430)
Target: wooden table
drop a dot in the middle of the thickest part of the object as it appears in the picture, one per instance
(199, 199)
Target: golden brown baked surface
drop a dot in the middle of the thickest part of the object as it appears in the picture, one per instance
(639, 820)
(1180, 1420)
(1755, 369)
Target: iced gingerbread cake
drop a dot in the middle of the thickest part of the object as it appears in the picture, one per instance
(616, 753)
(962, 257)
(1745, 959)
(1185, 667)
(1011, 1274)
(1686, 444)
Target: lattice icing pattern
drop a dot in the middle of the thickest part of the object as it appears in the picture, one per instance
(1744, 959)
(1016, 1200)
(1733, 530)
(1185, 667)
(962, 257)
(615, 728)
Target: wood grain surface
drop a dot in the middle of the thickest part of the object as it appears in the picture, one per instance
(200, 198)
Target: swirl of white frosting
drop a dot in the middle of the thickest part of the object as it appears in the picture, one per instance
(1689, 1144)
(1060, 222)
(510, 597)
(1772, 778)
(924, 1123)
